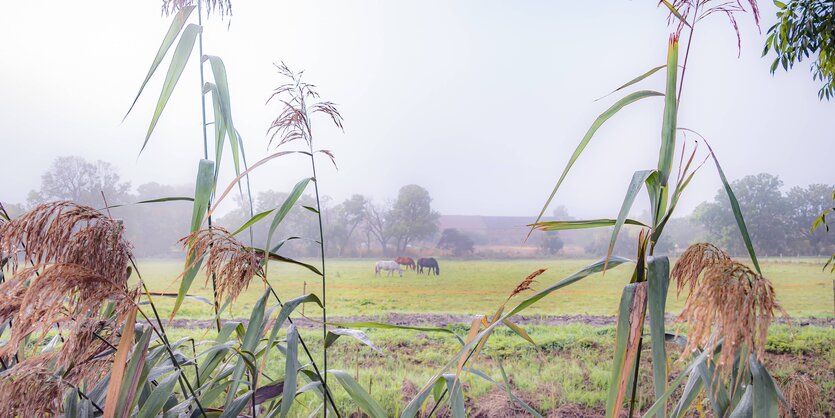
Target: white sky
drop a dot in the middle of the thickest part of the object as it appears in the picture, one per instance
(481, 102)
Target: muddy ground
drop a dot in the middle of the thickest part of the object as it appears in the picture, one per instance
(443, 320)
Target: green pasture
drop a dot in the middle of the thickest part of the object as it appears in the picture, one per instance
(470, 287)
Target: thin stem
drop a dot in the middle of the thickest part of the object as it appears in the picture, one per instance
(635, 377)
(324, 280)
(206, 144)
(687, 53)
(164, 338)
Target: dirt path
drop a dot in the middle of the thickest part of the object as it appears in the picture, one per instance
(443, 320)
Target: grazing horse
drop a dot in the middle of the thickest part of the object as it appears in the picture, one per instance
(406, 261)
(390, 266)
(429, 263)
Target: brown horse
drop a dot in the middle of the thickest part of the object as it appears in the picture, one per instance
(406, 261)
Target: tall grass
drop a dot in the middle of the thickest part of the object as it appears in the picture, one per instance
(76, 345)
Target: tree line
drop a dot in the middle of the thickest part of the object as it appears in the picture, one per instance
(778, 220)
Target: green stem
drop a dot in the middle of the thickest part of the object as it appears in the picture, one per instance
(206, 143)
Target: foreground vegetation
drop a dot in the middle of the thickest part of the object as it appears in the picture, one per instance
(564, 374)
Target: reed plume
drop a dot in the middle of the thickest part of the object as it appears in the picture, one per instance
(222, 7)
(30, 390)
(693, 261)
(233, 264)
(301, 101)
(730, 305)
(61, 293)
(65, 232)
(526, 283)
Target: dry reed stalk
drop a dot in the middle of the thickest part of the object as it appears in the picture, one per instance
(233, 264)
(731, 305)
(65, 232)
(30, 389)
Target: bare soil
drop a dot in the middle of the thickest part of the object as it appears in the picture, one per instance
(443, 320)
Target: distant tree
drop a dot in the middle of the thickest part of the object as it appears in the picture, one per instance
(822, 220)
(805, 29)
(379, 224)
(412, 217)
(349, 215)
(561, 213)
(76, 179)
(455, 241)
(766, 213)
(806, 205)
(551, 244)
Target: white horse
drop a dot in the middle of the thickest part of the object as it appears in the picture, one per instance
(390, 266)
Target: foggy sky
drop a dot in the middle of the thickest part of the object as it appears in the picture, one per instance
(480, 102)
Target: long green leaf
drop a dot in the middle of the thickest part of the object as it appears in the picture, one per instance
(611, 111)
(335, 333)
(740, 220)
(359, 395)
(233, 409)
(219, 73)
(745, 407)
(764, 392)
(658, 276)
(202, 192)
(630, 324)
(638, 180)
(661, 401)
(254, 329)
(286, 206)
(668, 126)
(691, 390)
(159, 200)
(253, 220)
(290, 371)
(175, 70)
(635, 80)
(585, 224)
(158, 397)
(219, 124)
(456, 396)
(176, 26)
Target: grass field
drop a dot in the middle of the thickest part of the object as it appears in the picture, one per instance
(473, 287)
(564, 374)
